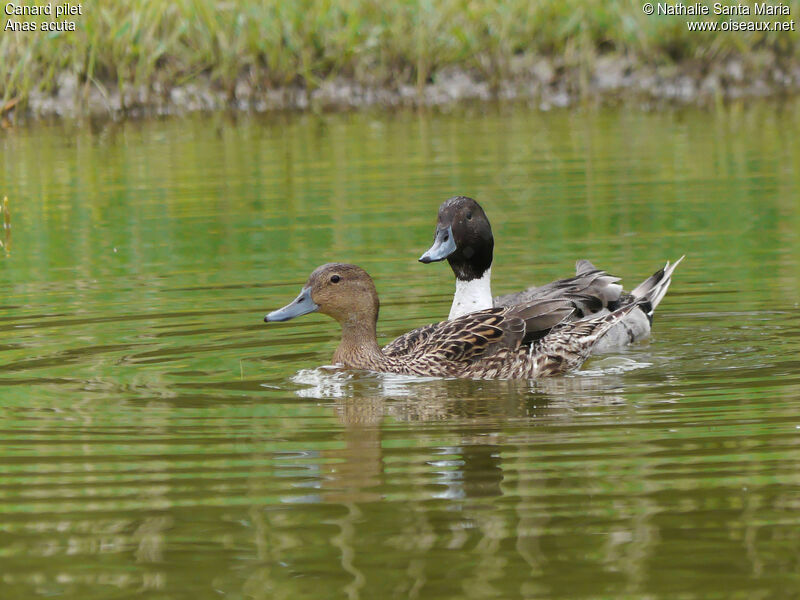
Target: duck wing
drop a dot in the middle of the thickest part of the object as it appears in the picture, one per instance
(565, 347)
(484, 333)
(591, 290)
(409, 342)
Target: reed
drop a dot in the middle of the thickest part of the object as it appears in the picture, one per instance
(271, 43)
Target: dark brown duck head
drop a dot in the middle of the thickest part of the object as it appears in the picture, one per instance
(464, 237)
(345, 293)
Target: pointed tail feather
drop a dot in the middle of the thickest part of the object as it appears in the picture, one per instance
(584, 266)
(650, 292)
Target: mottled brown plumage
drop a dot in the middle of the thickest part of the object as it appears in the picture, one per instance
(525, 341)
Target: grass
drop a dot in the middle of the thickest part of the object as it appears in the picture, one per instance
(271, 43)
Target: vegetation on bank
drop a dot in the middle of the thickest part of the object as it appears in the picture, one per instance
(274, 43)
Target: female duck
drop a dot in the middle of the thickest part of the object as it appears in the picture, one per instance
(464, 237)
(524, 341)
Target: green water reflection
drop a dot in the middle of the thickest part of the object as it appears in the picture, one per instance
(157, 439)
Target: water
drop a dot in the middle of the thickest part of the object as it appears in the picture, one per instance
(158, 440)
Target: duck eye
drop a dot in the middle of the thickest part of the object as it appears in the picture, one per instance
(469, 216)
(335, 279)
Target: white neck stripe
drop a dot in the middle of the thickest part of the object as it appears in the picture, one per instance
(472, 295)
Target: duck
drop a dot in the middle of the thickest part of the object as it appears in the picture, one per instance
(525, 340)
(463, 236)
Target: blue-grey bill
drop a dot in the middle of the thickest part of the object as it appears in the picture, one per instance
(443, 246)
(302, 305)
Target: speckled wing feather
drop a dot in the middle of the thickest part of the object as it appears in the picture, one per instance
(573, 342)
(484, 333)
(408, 342)
(591, 289)
(541, 316)
(468, 337)
(564, 349)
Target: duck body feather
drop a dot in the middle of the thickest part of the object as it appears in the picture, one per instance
(523, 341)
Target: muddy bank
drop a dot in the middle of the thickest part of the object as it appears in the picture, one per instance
(542, 82)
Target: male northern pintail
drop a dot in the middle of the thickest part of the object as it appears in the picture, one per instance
(464, 237)
(523, 341)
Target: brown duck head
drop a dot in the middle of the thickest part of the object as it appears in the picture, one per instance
(346, 293)
(341, 291)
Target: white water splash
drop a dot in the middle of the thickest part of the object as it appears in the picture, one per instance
(323, 382)
(613, 365)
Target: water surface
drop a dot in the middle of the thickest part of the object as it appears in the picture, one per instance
(157, 439)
